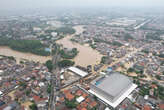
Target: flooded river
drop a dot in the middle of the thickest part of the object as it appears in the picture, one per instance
(86, 55)
(4, 50)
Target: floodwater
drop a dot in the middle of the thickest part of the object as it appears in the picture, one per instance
(27, 104)
(87, 55)
(6, 51)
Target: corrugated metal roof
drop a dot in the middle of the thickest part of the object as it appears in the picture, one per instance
(113, 84)
(78, 71)
(119, 100)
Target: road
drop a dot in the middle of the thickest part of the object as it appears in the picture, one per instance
(142, 24)
(55, 80)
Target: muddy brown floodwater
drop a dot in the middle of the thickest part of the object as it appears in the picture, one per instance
(86, 55)
(4, 50)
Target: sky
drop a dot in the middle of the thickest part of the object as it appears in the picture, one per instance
(32, 4)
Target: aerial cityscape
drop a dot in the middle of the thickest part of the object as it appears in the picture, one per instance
(83, 57)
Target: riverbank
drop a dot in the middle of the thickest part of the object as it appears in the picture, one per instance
(87, 55)
(31, 46)
(6, 51)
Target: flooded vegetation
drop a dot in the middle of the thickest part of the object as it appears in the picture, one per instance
(6, 51)
(86, 55)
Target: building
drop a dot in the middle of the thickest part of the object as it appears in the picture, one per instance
(112, 89)
(54, 34)
(77, 71)
(1, 93)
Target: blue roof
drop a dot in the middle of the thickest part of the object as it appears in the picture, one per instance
(47, 49)
(109, 69)
(97, 83)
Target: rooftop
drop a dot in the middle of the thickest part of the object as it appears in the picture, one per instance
(69, 96)
(112, 89)
(80, 99)
(78, 71)
(113, 84)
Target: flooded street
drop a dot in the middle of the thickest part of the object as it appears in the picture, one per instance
(6, 51)
(86, 55)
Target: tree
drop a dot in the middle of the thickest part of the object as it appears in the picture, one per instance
(103, 59)
(49, 65)
(93, 46)
(95, 97)
(145, 51)
(49, 88)
(27, 92)
(33, 107)
(158, 77)
(69, 54)
(160, 92)
(21, 62)
(144, 91)
(139, 71)
(116, 43)
(23, 84)
(130, 70)
(33, 46)
(65, 30)
(71, 104)
(11, 58)
(66, 63)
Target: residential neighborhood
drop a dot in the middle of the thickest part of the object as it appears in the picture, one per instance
(94, 60)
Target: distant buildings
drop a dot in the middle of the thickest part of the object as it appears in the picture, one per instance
(54, 34)
(112, 89)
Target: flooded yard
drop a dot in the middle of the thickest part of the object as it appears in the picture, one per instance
(11, 94)
(86, 55)
(27, 104)
(6, 51)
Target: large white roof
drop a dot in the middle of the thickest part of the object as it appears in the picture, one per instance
(114, 84)
(119, 100)
(78, 71)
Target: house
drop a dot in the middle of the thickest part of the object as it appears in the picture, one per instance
(161, 106)
(69, 96)
(146, 107)
(93, 104)
(38, 99)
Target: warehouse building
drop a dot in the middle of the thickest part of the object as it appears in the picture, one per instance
(78, 71)
(112, 89)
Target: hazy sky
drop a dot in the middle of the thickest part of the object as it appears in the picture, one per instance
(25, 4)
